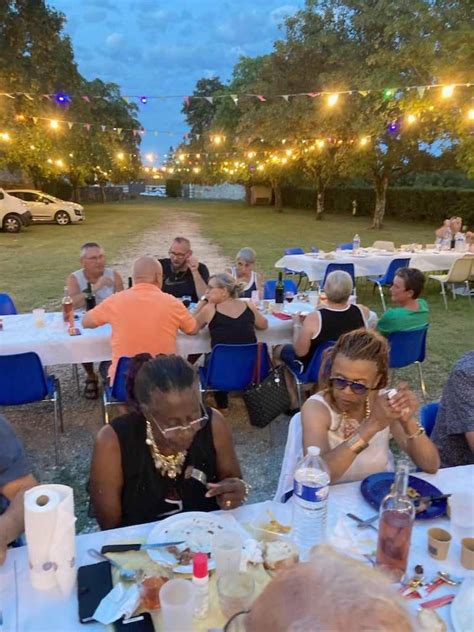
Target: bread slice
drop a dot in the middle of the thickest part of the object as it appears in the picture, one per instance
(279, 554)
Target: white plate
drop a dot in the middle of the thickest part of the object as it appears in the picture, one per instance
(197, 528)
(462, 607)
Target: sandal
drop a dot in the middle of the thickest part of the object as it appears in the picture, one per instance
(91, 388)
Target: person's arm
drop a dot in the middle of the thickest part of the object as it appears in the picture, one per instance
(118, 282)
(97, 316)
(74, 291)
(386, 323)
(106, 479)
(259, 283)
(470, 439)
(205, 314)
(187, 322)
(365, 313)
(200, 282)
(440, 232)
(12, 521)
(260, 321)
(304, 333)
(230, 490)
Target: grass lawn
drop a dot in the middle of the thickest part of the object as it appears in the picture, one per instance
(34, 263)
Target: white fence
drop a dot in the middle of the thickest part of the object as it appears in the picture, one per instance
(216, 192)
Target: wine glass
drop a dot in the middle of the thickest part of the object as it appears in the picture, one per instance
(186, 300)
(289, 296)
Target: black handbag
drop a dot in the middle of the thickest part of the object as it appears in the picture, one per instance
(267, 399)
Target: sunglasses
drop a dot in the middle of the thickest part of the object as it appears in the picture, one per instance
(356, 387)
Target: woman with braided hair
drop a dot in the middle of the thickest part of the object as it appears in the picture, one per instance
(353, 415)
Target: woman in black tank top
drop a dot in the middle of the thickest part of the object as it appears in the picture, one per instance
(168, 455)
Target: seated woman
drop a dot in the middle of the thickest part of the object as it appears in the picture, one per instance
(244, 272)
(453, 432)
(231, 321)
(142, 464)
(351, 418)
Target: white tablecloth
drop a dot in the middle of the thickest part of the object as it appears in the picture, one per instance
(47, 611)
(372, 264)
(54, 345)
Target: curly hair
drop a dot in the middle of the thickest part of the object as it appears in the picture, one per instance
(359, 344)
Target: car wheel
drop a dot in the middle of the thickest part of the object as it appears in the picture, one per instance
(12, 224)
(62, 218)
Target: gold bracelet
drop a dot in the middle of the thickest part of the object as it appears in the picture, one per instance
(356, 444)
(418, 433)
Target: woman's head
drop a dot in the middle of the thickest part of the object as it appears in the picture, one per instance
(167, 393)
(338, 286)
(245, 260)
(221, 287)
(357, 364)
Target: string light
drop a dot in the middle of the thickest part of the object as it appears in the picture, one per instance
(149, 157)
(62, 98)
(411, 118)
(320, 143)
(387, 93)
(5, 136)
(120, 155)
(447, 92)
(59, 163)
(333, 99)
(363, 141)
(217, 140)
(143, 100)
(470, 114)
(54, 124)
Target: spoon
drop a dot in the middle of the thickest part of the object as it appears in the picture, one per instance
(127, 574)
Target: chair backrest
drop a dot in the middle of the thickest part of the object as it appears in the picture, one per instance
(294, 251)
(347, 245)
(119, 391)
(22, 379)
(293, 453)
(312, 372)
(269, 287)
(314, 249)
(7, 306)
(231, 367)
(347, 267)
(460, 270)
(384, 245)
(428, 414)
(393, 266)
(407, 347)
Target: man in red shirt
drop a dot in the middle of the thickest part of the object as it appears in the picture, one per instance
(143, 318)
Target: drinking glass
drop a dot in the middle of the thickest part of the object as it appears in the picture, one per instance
(235, 592)
(227, 551)
(177, 605)
(186, 300)
(462, 515)
(38, 317)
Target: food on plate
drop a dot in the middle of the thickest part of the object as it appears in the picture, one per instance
(430, 621)
(279, 554)
(411, 492)
(274, 526)
(183, 556)
(150, 592)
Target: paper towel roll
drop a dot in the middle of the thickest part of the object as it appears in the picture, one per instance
(50, 537)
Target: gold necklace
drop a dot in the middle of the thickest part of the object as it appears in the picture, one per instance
(170, 466)
(348, 425)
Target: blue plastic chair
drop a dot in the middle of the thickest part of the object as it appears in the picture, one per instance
(311, 375)
(7, 306)
(346, 267)
(269, 288)
(387, 278)
(117, 393)
(408, 347)
(314, 249)
(231, 367)
(428, 414)
(23, 380)
(345, 245)
(295, 251)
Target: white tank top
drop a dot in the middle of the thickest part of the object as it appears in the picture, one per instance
(251, 284)
(376, 458)
(101, 294)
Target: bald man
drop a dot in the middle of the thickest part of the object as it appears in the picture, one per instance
(143, 318)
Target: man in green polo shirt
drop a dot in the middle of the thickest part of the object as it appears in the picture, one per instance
(411, 312)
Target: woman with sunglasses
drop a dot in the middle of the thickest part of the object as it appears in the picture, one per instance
(353, 416)
(168, 455)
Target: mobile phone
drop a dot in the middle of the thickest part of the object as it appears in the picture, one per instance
(140, 623)
(94, 581)
(74, 331)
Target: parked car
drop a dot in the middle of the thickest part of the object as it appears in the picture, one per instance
(47, 208)
(14, 213)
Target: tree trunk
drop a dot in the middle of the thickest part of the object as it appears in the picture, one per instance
(248, 194)
(381, 184)
(319, 205)
(278, 196)
(102, 194)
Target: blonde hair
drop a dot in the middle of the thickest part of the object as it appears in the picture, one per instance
(227, 282)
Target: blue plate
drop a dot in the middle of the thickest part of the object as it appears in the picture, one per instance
(375, 487)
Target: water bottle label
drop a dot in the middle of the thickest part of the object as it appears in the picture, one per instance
(311, 494)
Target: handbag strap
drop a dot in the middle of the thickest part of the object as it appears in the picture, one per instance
(257, 369)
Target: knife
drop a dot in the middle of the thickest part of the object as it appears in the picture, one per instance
(122, 548)
(430, 499)
(359, 520)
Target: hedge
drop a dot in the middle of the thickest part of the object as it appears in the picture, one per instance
(405, 203)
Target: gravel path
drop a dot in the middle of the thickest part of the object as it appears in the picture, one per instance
(260, 452)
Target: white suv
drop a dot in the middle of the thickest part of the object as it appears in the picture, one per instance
(14, 213)
(47, 208)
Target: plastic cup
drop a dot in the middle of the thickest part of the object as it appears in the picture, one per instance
(255, 297)
(235, 592)
(467, 553)
(177, 605)
(462, 515)
(38, 317)
(438, 543)
(227, 551)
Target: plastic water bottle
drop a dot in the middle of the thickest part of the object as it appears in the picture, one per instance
(310, 496)
(459, 242)
(355, 243)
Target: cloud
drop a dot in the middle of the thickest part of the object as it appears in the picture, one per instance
(277, 16)
(114, 40)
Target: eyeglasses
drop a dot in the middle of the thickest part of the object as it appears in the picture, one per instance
(236, 623)
(177, 255)
(194, 425)
(356, 387)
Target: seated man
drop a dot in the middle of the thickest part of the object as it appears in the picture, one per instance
(453, 432)
(183, 275)
(330, 593)
(104, 282)
(448, 231)
(15, 480)
(411, 312)
(144, 319)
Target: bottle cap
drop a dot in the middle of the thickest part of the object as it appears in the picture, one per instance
(313, 450)
(200, 565)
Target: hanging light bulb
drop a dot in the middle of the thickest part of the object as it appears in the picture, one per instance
(411, 118)
(470, 114)
(333, 99)
(120, 155)
(143, 100)
(54, 124)
(447, 92)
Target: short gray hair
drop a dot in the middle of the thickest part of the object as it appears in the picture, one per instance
(227, 282)
(247, 254)
(338, 286)
(90, 244)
